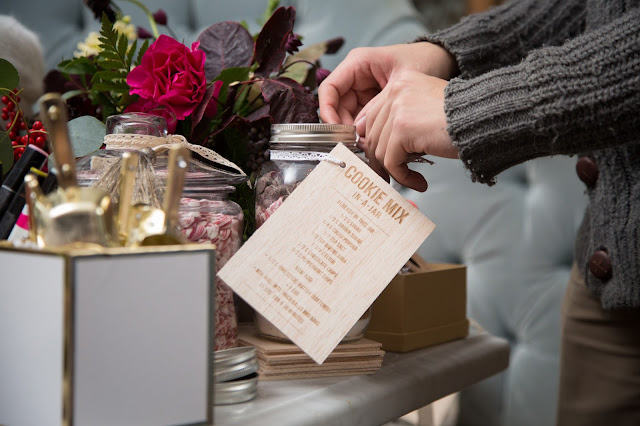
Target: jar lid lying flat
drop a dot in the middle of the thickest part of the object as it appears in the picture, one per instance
(231, 364)
(235, 375)
(236, 391)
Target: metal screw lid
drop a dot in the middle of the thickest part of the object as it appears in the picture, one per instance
(235, 363)
(236, 391)
(312, 133)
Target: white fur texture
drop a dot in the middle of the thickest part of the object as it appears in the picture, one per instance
(21, 47)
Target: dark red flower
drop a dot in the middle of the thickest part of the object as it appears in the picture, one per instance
(160, 16)
(100, 6)
(321, 74)
(292, 43)
(142, 33)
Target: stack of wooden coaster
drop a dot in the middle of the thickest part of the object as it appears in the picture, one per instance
(283, 361)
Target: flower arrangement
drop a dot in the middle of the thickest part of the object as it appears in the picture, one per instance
(222, 91)
(213, 91)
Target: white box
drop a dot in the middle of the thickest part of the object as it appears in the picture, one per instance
(107, 337)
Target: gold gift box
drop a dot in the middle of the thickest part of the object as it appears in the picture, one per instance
(107, 336)
(423, 307)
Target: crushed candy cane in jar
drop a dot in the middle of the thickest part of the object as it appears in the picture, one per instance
(212, 222)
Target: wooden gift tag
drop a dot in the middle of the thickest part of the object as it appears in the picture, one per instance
(324, 256)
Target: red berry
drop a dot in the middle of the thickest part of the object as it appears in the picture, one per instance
(12, 135)
(15, 90)
(24, 140)
(39, 142)
(5, 116)
(5, 99)
(37, 125)
(14, 143)
(12, 115)
(23, 125)
(10, 106)
(5, 110)
(8, 125)
(17, 153)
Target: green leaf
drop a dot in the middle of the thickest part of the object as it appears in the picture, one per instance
(228, 76)
(87, 135)
(109, 75)
(142, 51)
(131, 53)
(79, 66)
(6, 152)
(108, 54)
(297, 71)
(123, 43)
(233, 74)
(9, 77)
(109, 86)
(109, 64)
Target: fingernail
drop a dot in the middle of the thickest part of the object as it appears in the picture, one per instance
(361, 126)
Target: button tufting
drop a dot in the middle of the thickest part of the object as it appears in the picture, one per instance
(600, 265)
(588, 171)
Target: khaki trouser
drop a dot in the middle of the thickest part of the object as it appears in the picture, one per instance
(600, 361)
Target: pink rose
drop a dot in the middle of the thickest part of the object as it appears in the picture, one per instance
(171, 75)
(151, 107)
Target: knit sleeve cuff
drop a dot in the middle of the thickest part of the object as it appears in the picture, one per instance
(569, 99)
(490, 119)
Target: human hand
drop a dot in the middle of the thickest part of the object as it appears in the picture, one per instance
(366, 71)
(407, 117)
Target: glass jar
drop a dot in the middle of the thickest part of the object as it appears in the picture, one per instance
(136, 123)
(296, 149)
(207, 215)
(95, 168)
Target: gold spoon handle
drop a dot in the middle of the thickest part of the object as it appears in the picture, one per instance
(55, 117)
(128, 171)
(178, 161)
(32, 193)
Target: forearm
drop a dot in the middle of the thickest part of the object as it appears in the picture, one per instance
(505, 34)
(578, 97)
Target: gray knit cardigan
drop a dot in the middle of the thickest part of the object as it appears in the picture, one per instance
(547, 77)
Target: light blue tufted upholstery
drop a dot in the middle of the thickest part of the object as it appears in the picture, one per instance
(516, 238)
(62, 23)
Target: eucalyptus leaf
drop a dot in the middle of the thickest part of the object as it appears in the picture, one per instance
(9, 77)
(6, 152)
(87, 135)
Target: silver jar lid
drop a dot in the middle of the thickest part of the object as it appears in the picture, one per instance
(312, 133)
(231, 364)
(235, 375)
(236, 391)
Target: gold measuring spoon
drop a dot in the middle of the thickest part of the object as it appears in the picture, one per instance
(151, 226)
(128, 171)
(71, 214)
